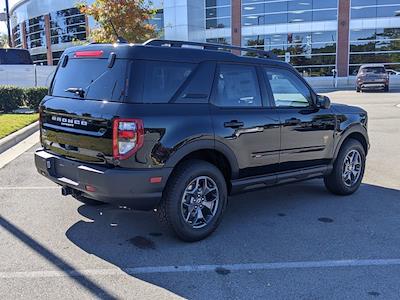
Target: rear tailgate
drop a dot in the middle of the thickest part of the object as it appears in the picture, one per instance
(80, 129)
(86, 95)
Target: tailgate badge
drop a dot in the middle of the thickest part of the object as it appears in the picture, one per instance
(69, 122)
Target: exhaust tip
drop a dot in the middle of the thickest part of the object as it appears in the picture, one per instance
(65, 191)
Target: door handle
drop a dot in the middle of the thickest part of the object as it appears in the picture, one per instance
(292, 121)
(233, 124)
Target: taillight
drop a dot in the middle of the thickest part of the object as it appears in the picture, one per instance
(88, 54)
(128, 136)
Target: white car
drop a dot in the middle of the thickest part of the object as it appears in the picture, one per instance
(392, 72)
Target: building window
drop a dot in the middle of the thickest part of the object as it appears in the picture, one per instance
(158, 20)
(265, 12)
(380, 45)
(56, 57)
(35, 32)
(218, 14)
(67, 25)
(40, 59)
(17, 36)
(312, 53)
(220, 40)
(361, 9)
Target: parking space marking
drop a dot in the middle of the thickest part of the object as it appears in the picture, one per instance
(9, 188)
(204, 268)
(12, 153)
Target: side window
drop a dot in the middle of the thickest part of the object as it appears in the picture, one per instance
(287, 89)
(163, 79)
(237, 86)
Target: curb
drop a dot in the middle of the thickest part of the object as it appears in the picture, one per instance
(18, 136)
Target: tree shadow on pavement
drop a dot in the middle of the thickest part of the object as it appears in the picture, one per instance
(298, 222)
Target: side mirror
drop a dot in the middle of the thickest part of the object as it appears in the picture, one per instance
(323, 102)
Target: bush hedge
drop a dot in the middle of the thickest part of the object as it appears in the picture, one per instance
(12, 97)
(33, 96)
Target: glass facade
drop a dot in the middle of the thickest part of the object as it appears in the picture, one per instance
(67, 25)
(311, 53)
(374, 8)
(370, 43)
(218, 14)
(35, 32)
(158, 20)
(256, 12)
(17, 36)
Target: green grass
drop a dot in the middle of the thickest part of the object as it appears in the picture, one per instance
(10, 123)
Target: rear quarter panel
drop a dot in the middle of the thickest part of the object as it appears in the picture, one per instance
(168, 128)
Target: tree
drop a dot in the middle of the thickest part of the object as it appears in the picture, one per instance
(128, 17)
(3, 40)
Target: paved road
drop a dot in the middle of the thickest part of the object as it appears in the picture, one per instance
(288, 242)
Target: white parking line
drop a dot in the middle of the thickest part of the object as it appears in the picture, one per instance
(204, 268)
(18, 149)
(9, 188)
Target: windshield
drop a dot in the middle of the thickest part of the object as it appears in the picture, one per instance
(91, 79)
(373, 70)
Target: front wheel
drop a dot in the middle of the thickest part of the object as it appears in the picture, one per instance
(348, 169)
(194, 200)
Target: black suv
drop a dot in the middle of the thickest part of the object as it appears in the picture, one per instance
(179, 126)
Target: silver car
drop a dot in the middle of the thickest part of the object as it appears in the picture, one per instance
(372, 77)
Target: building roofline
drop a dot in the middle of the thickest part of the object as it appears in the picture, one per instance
(16, 5)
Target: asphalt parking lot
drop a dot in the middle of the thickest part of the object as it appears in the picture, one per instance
(288, 242)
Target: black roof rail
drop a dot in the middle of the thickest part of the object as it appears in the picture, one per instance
(209, 46)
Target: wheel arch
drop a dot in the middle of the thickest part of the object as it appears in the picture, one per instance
(356, 132)
(214, 152)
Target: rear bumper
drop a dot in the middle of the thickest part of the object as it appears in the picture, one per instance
(117, 186)
(373, 85)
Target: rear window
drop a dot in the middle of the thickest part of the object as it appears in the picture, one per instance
(93, 76)
(15, 57)
(158, 81)
(373, 70)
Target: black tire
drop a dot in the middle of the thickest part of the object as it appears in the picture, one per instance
(170, 208)
(334, 182)
(87, 201)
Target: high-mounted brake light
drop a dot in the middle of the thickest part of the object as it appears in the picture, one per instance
(128, 137)
(88, 54)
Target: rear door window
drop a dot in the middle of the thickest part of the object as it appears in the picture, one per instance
(161, 80)
(237, 86)
(373, 70)
(94, 77)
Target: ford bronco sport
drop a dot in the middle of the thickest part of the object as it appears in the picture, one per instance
(178, 126)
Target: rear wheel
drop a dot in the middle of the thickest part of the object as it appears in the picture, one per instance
(348, 169)
(194, 200)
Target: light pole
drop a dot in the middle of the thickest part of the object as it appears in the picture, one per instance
(8, 23)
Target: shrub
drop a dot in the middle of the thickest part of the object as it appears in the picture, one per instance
(11, 97)
(34, 95)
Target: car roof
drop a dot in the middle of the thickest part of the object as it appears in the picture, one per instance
(372, 66)
(184, 54)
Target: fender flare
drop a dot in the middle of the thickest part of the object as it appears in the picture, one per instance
(355, 128)
(185, 150)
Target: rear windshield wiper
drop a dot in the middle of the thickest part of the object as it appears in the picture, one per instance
(77, 91)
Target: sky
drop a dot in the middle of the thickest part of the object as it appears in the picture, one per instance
(3, 27)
